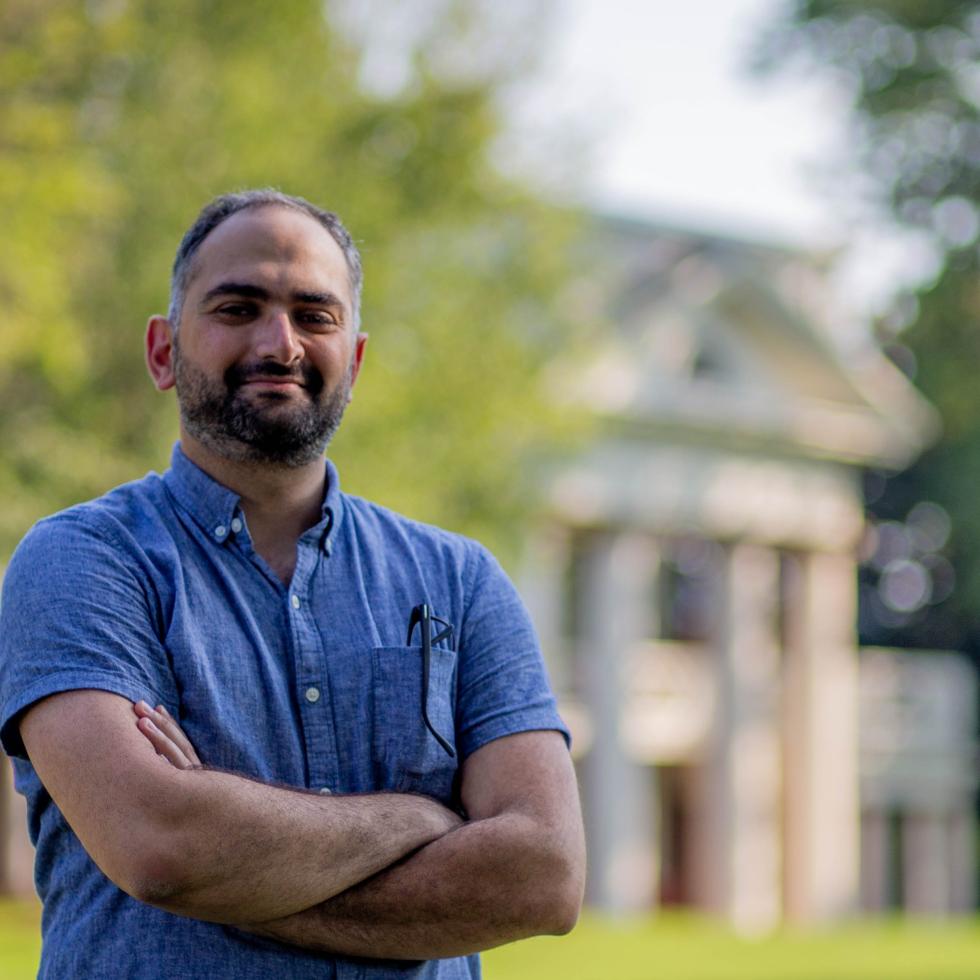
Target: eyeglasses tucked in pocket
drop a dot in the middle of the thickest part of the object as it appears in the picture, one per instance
(414, 744)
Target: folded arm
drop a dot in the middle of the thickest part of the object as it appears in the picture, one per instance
(515, 869)
(204, 843)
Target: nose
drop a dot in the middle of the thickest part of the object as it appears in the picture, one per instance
(277, 339)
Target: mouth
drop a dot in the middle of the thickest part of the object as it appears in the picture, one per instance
(266, 384)
(269, 380)
(273, 384)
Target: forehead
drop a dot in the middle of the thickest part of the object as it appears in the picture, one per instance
(275, 247)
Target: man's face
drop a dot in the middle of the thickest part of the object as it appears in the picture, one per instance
(265, 355)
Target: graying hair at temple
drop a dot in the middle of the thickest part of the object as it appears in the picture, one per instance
(223, 207)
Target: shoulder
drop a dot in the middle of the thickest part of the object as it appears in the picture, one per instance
(80, 609)
(396, 534)
(473, 581)
(107, 528)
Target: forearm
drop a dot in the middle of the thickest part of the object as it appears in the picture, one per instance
(205, 843)
(516, 869)
(230, 849)
(490, 882)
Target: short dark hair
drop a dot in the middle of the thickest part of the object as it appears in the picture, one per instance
(221, 208)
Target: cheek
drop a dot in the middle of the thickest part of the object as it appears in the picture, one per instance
(216, 350)
(325, 363)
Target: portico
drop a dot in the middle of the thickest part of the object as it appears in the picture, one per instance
(705, 633)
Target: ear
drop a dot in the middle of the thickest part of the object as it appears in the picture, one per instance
(160, 352)
(360, 342)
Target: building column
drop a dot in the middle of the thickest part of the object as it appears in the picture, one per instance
(541, 582)
(16, 853)
(821, 742)
(741, 783)
(925, 862)
(615, 610)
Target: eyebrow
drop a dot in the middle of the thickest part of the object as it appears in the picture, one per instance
(252, 291)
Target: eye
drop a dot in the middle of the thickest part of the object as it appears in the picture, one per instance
(236, 310)
(316, 318)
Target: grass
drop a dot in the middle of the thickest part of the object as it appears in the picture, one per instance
(670, 947)
(674, 947)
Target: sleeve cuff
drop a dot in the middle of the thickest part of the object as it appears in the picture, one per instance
(57, 683)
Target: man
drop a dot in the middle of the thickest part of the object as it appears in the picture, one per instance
(386, 787)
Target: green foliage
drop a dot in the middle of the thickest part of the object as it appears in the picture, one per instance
(911, 68)
(118, 120)
(20, 939)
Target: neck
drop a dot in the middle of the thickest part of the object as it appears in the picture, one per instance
(279, 502)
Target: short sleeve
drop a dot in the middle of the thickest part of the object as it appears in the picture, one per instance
(502, 683)
(77, 611)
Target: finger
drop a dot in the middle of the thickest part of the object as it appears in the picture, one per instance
(165, 722)
(163, 745)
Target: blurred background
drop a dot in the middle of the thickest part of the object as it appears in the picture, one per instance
(673, 306)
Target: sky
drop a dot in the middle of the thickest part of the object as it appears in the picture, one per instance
(658, 100)
(685, 128)
(649, 108)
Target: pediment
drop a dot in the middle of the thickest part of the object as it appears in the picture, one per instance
(742, 341)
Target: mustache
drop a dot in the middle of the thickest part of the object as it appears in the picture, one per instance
(307, 375)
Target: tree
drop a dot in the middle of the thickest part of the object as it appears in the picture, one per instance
(911, 69)
(119, 119)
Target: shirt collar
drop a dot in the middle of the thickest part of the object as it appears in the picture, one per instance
(333, 506)
(214, 507)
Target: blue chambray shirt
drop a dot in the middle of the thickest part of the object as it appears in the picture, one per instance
(154, 591)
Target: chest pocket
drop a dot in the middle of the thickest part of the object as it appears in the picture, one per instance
(408, 758)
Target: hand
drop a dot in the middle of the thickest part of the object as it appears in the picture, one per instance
(170, 742)
(166, 736)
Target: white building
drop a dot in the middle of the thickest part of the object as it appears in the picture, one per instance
(695, 588)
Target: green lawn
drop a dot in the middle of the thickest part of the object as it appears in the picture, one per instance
(686, 948)
(669, 948)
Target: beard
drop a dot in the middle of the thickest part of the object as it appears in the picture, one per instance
(263, 429)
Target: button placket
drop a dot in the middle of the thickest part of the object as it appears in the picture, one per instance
(312, 683)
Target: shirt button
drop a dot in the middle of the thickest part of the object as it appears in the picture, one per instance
(313, 694)
(236, 525)
(295, 601)
(220, 531)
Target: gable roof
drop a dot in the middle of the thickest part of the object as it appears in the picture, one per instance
(715, 340)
